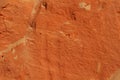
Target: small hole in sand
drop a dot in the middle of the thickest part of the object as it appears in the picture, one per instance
(2, 56)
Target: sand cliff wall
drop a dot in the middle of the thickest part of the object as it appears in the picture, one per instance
(59, 40)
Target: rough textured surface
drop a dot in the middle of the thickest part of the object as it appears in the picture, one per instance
(63, 40)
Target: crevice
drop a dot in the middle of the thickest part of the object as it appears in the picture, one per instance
(34, 14)
(33, 25)
(73, 15)
(2, 56)
(5, 6)
(68, 35)
(45, 5)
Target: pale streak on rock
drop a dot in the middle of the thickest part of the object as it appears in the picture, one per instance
(13, 45)
(98, 67)
(67, 23)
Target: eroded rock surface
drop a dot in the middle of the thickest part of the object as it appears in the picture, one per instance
(62, 40)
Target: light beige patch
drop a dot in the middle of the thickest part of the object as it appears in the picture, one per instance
(16, 57)
(27, 0)
(82, 4)
(115, 76)
(88, 7)
(85, 6)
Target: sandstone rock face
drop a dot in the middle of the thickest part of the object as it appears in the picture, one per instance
(62, 40)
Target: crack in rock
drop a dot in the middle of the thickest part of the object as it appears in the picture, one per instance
(32, 25)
